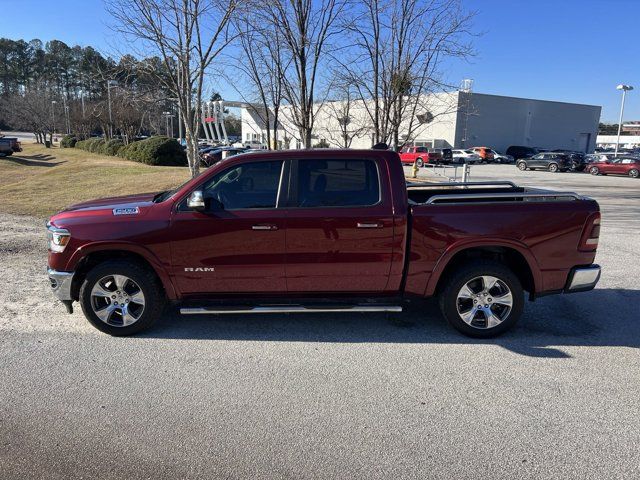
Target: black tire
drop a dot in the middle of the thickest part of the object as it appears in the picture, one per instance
(448, 297)
(594, 170)
(553, 167)
(633, 173)
(419, 163)
(522, 166)
(154, 298)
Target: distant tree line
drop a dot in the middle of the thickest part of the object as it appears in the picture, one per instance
(50, 87)
(610, 129)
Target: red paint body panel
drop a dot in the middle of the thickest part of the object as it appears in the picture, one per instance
(617, 167)
(409, 155)
(322, 250)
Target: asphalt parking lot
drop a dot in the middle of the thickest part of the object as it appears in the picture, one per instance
(324, 396)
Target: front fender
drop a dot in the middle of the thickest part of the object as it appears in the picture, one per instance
(123, 246)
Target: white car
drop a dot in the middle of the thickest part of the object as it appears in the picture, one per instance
(465, 156)
(501, 157)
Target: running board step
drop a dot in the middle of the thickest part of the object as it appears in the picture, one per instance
(292, 309)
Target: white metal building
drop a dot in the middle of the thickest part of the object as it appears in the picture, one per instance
(458, 119)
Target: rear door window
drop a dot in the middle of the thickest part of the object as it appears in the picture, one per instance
(337, 183)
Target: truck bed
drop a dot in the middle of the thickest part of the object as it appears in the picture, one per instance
(542, 226)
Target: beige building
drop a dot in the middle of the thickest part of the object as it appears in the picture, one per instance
(457, 119)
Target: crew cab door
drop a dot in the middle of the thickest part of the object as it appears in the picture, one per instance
(339, 226)
(238, 244)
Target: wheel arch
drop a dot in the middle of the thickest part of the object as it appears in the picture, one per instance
(519, 259)
(84, 261)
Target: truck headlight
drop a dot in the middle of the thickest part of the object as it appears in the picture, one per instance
(58, 238)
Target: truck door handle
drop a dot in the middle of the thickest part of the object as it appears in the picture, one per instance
(369, 225)
(264, 227)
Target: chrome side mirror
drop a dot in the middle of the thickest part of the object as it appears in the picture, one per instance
(196, 200)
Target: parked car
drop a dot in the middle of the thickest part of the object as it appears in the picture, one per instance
(446, 154)
(419, 155)
(518, 152)
(578, 159)
(618, 166)
(553, 162)
(502, 157)
(321, 231)
(9, 146)
(216, 154)
(465, 156)
(486, 154)
(598, 157)
(255, 145)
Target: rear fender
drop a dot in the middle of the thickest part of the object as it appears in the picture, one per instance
(483, 243)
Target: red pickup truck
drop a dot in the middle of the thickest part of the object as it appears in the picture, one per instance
(321, 231)
(419, 155)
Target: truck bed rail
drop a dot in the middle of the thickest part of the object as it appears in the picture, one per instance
(502, 197)
(501, 183)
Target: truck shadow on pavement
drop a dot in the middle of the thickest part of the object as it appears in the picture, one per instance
(600, 318)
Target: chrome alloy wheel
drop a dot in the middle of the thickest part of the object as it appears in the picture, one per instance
(117, 300)
(484, 302)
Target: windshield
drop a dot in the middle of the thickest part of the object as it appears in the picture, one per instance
(162, 196)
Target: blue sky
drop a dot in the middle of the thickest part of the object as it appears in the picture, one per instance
(565, 50)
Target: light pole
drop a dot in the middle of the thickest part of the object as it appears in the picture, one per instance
(624, 89)
(166, 116)
(109, 84)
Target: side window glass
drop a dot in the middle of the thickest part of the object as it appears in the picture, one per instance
(337, 183)
(248, 185)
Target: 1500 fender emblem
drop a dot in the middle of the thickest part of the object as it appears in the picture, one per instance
(199, 269)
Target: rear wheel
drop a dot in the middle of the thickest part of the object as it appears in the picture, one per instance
(482, 299)
(522, 166)
(633, 173)
(553, 167)
(121, 298)
(594, 170)
(420, 162)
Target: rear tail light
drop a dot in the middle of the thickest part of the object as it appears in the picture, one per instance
(590, 234)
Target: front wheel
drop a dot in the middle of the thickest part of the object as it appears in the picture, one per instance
(594, 170)
(522, 166)
(482, 299)
(420, 163)
(633, 173)
(121, 298)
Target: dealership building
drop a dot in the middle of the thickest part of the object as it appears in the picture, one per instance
(457, 119)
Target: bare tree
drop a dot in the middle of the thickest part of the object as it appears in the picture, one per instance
(400, 46)
(187, 35)
(305, 28)
(344, 117)
(262, 65)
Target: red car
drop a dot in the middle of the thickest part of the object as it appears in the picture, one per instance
(617, 166)
(419, 155)
(321, 231)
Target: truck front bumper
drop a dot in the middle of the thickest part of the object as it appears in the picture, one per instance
(582, 279)
(60, 284)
